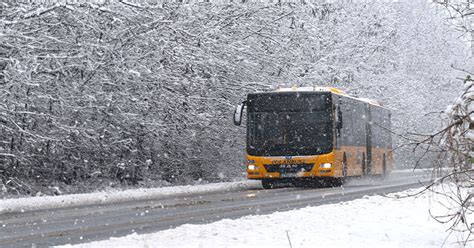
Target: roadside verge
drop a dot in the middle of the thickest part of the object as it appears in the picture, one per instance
(20, 205)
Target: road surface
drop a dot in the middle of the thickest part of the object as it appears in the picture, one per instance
(96, 222)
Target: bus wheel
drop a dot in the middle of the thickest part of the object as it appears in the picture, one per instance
(344, 167)
(268, 183)
(364, 167)
(384, 167)
(341, 180)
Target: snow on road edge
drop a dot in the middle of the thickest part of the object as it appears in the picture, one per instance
(74, 200)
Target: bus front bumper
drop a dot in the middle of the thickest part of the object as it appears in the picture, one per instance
(260, 175)
(283, 167)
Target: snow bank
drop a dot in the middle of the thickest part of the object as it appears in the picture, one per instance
(51, 202)
(374, 221)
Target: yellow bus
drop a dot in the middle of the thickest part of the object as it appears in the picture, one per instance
(314, 134)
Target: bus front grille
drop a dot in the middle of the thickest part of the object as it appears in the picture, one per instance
(288, 168)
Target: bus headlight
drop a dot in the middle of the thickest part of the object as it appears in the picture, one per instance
(252, 167)
(325, 165)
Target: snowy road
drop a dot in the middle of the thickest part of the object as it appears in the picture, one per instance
(96, 222)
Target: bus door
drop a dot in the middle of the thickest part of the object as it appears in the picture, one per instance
(368, 139)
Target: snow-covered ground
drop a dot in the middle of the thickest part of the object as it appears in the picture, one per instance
(114, 196)
(51, 202)
(374, 221)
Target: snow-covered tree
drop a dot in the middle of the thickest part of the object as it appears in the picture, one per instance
(140, 93)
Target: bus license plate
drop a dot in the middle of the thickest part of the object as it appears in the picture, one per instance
(288, 174)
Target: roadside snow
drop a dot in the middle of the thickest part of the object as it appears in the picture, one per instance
(103, 197)
(52, 202)
(374, 221)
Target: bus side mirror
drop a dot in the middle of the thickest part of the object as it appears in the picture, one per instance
(239, 109)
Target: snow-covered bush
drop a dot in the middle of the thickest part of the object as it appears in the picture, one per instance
(454, 169)
(458, 136)
(453, 143)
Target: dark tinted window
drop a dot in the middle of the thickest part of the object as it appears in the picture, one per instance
(381, 136)
(354, 120)
(288, 102)
(293, 123)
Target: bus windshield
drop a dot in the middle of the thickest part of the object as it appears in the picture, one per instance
(294, 129)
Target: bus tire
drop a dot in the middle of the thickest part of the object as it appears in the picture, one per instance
(364, 167)
(344, 167)
(384, 167)
(341, 180)
(268, 183)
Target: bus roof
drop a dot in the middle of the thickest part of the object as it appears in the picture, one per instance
(327, 89)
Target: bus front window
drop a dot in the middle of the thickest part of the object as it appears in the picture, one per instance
(289, 133)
